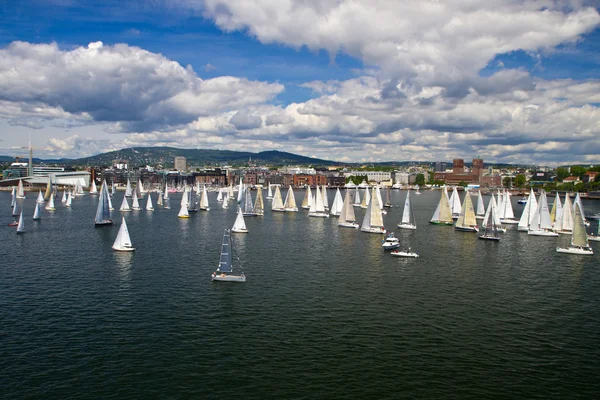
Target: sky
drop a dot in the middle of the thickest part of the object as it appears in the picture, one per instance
(348, 80)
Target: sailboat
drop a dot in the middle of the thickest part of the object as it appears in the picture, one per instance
(566, 222)
(128, 191)
(480, 207)
(269, 192)
(149, 206)
(317, 208)
(20, 190)
(93, 188)
(528, 212)
(40, 198)
(579, 240)
(338, 202)
(373, 220)
(277, 204)
(490, 228)
(259, 207)
(357, 202)
(579, 203)
(64, 197)
(21, 225)
(380, 200)
(79, 190)
(541, 224)
(159, 201)
(388, 198)
(556, 211)
(123, 241)
(225, 202)
(325, 198)
(69, 200)
(240, 190)
(455, 205)
(204, 199)
(239, 226)
(48, 188)
(139, 188)
(347, 218)
(507, 215)
(248, 205)
(466, 221)
(103, 210)
(366, 200)
(290, 201)
(442, 214)
(37, 214)
(125, 205)
(135, 205)
(492, 205)
(308, 199)
(13, 196)
(408, 217)
(112, 189)
(183, 211)
(225, 271)
(50, 205)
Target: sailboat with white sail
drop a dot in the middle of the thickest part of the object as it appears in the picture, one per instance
(528, 212)
(225, 203)
(149, 205)
(166, 200)
(357, 202)
(366, 200)
(93, 188)
(347, 218)
(269, 192)
(50, 206)
(103, 210)
(48, 188)
(248, 205)
(183, 211)
(325, 198)
(204, 199)
(159, 200)
(16, 209)
(490, 227)
(579, 239)
(408, 217)
(541, 224)
(507, 215)
(259, 206)
(579, 203)
(565, 224)
(135, 205)
(40, 198)
(308, 199)
(225, 270)
(338, 202)
(480, 206)
(455, 204)
(125, 205)
(21, 224)
(318, 209)
(442, 214)
(69, 202)
(466, 221)
(373, 220)
(290, 201)
(128, 190)
(277, 204)
(64, 197)
(492, 205)
(37, 214)
(13, 196)
(239, 226)
(240, 190)
(20, 190)
(123, 241)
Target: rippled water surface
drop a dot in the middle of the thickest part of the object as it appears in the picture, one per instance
(325, 313)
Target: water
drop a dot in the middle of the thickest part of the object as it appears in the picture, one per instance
(325, 313)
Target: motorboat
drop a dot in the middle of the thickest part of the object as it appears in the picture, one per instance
(391, 242)
(405, 253)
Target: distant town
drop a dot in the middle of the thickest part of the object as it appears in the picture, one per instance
(476, 174)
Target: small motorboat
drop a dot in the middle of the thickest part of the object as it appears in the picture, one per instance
(522, 200)
(405, 253)
(391, 242)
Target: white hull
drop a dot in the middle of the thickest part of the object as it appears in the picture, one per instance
(239, 230)
(348, 225)
(228, 278)
(565, 232)
(479, 216)
(409, 254)
(278, 209)
(509, 221)
(318, 215)
(390, 246)
(466, 228)
(582, 251)
(123, 248)
(542, 233)
(373, 230)
(291, 209)
(407, 226)
(594, 238)
(523, 229)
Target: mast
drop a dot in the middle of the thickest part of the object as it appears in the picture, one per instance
(225, 262)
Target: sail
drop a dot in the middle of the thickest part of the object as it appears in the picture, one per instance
(578, 202)
(259, 207)
(69, 200)
(559, 208)
(93, 188)
(139, 188)
(240, 191)
(149, 206)
(159, 201)
(347, 212)
(225, 201)
(125, 205)
(486, 218)
(357, 201)
(167, 203)
(64, 197)
(128, 191)
(20, 190)
(269, 192)
(40, 198)
(325, 198)
(50, 205)
(376, 215)
(336, 207)
(225, 262)
(103, 209)
(16, 210)
(204, 199)
(290, 199)
(579, 236)
(455, 202)
(239, 224)
(123, 241)
(307, 200)
(508, 210)
(37, 214)
(183, 211)
(379, 199)
(21, 225)
(406, 213)
(527, 214)
(166, 190)
(48, 188)
(135, 205)
(319, 206)
(248, 205)
(220, 196)
(388, 197)
(443, 212)
(480, 206)
(545, 222)
(469, 219)
(277, 201)
(567, 214)
(13, 196)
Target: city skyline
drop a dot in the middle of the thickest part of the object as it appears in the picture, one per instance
(511, 83)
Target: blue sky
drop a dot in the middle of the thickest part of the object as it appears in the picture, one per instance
(358, 80)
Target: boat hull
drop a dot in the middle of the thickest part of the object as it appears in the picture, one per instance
(318, 215)
(373, 230)
(489, 237)
(228, 278)
(543, 233)
(291, 209)
(103, 223)
(390, 246)
(239, 230)
(594, 238)
(348, 225)
(509, 221)
(466, 228)
(124, 249)
(581, 251)
(407, 226)
(408, 254)
(446, 223)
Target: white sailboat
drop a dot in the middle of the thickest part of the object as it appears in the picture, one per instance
(103, 209)
(239, 226)
(490, 226)
(325, 198)
(507, 215)
(50, 205)
(455, 204)
(259, 206)
(379, 199)
(347, 218)
(16, 209)
(37, 214)
(357, 202)
(225, 270)
(240, 191)
(135, 205)
(492, 205)
(373, 220)
(443, 213)
(466, 221)
(579, 239)
(93, 188)
(13, 196)
(64, 197)
(366, 200)
(269, 192)
(123, 241)
(125, 205)
(338, 202)
(579, 203)
(541, 224)
(21, 225)
(204, 199)
(480, 206)
(79, 190)
(248, 205)
(40, 198)
(318, 209)
(128, 191)
(183, 211)
(48, 188)
(20, 190)
(69, 200)
(528, 212)
(139, 188)
(225, 203)
(566, 222)
(149, 206)
(220, 195)
(308, 199)
(277, 204)
(290, 201)
(408, 217)
(159, 201)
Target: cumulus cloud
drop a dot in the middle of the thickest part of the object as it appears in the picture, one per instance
(243, 120)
